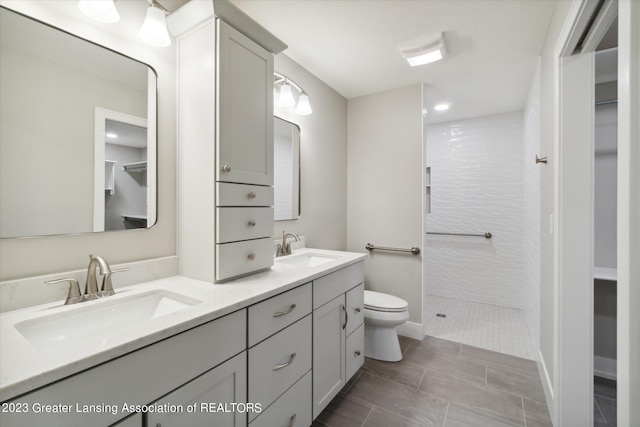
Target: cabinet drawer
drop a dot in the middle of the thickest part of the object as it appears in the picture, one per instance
(228, 194)
(137, 378)
(330, 286)
(355, 308)
(292, 408)
(233, 224)
(268, 317)
(354, 352)
(277, 363)
(238, 258)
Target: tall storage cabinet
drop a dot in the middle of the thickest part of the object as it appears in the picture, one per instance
(225, 132)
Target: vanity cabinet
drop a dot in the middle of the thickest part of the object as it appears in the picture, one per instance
(97, 396)
(225, 138)
(280, 351)
(224, 384)
(338, 332)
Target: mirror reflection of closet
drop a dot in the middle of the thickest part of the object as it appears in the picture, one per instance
(126, 146)
(605, 228)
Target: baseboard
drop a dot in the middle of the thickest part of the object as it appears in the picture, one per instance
(547, 384)
(411, 330)
(605, 367)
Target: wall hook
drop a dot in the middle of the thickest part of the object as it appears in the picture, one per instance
(541, 159)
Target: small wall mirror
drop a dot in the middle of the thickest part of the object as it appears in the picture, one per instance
(77, 134)
(286, 145)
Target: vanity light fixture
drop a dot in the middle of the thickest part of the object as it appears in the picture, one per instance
(423, 51)
(285, 97)
(100, 10)
(154, 28)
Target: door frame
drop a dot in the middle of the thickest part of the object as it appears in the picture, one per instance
(573, 210)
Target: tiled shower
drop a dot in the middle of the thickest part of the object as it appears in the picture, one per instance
(481, 177)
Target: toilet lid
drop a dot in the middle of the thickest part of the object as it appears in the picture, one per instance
(383, 302)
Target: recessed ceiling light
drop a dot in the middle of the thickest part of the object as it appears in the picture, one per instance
(442, 107)
(112, 135)
(423, 51)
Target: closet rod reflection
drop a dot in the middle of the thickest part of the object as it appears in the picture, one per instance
(414, 250)
(486, 235)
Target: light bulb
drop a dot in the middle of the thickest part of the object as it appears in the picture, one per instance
(304, 108)
(154, 29)
(100, 10)
(286, 96)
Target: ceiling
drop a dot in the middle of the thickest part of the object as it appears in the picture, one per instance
(352, 45)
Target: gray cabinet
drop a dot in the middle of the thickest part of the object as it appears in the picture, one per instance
(244, 156)
(329, 374)
(338, 332)
(245, 109)
(225, 138)
(223, 385)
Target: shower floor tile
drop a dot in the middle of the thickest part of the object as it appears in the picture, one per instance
(487, 326)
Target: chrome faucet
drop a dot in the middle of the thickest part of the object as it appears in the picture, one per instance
(284, 248)
(91, 289)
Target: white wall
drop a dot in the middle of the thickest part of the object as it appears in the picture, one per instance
(547, 126)
(385, 191)
(43, 255)
(323, 162)
(476, 187)
(531, 211)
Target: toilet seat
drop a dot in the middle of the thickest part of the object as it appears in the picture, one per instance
(378, 301)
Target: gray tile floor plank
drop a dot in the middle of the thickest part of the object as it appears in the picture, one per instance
(400, 399)
(446, 384)
(460, 416)
(511, 382)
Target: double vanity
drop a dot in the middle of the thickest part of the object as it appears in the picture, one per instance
(265, 350)
(239, 338)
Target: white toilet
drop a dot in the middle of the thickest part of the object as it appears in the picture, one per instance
(382, 313)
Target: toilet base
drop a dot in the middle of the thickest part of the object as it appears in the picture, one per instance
(381, 343)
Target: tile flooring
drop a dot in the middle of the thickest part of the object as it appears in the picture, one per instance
(605, 402)
(496, 328)
(441, 383)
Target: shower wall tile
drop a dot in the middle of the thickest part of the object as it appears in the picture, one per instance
(476, 187)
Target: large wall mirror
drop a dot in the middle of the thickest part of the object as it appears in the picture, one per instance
(77, 134)
(286, 159)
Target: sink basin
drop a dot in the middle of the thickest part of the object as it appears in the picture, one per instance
(97, 320)
(306, 259)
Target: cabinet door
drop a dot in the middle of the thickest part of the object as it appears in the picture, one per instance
(245, 109)
(224, 384)
(329, 375)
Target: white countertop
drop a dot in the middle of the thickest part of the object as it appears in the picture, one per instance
(24, 367)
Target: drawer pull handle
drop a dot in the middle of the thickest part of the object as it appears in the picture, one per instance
(251, 223)
(282, 313)
(226, 168)
(293, 420)
(346, 317)
(284, 365)
(357, 309)
(251, 256)
(252, 195)
(358, 353)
